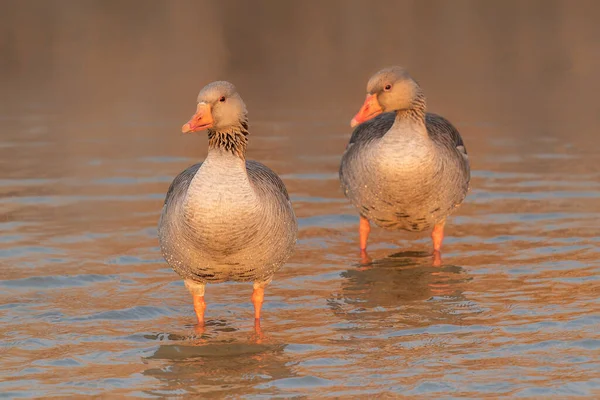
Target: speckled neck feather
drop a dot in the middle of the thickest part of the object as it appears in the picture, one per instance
(233, 140)
(417, 109)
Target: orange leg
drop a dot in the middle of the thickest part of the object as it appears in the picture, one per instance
(199, 307)
(437, 259)
(365, 260)
(258, 296)
(199, 330)
(438, 236)
(364, 230)
(258, 333)
(197, 291)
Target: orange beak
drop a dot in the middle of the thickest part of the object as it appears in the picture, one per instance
(370, 109)
(201, 120)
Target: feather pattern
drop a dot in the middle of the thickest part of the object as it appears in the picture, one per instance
(238, 227)
(405, 172)
(227, 218)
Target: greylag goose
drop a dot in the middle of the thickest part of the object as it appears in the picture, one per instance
(227, 218)
(403, 168)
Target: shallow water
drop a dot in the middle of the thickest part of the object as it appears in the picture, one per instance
(89, 144)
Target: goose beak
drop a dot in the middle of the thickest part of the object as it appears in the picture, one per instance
(370, 109)
(201, 120)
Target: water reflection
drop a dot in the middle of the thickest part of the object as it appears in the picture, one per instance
(403, 286)
(93, 96)
(223, 368)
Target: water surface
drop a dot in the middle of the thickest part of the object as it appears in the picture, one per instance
(95, 95)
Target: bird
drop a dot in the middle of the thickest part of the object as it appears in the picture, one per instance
(403, 168)
(226, 218)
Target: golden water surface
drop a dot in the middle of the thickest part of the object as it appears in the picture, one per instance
(93, 97)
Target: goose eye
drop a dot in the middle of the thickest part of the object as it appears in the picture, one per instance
(222, 99)
(387, 87)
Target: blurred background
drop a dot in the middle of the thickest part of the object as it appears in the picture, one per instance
(93, 97)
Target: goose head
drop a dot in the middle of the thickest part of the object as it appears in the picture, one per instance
(219, 108)
(390, 89)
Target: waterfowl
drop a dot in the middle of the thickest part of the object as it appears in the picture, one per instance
(404, 168)
(227, 218)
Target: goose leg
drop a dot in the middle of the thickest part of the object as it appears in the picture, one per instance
(365, 260)
(197, 291)
(258, 333)
(437, 259)
(364, 230)
(438, 236)
(258, 296)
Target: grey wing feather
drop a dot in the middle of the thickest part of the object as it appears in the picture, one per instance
(438, 127)
(442, 131)
(181, 183)
(362, 135)
(264, 177)
(372, 129)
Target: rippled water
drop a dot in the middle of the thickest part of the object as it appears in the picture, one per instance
(89, 144)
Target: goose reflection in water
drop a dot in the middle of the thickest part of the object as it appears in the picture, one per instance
(216, 368)
(403, 287)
